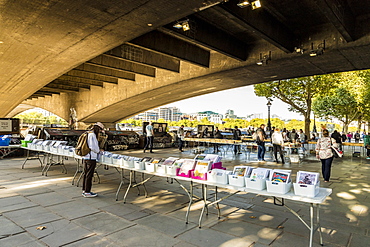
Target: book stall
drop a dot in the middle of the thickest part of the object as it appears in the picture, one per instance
(9, 136)
(207, 170)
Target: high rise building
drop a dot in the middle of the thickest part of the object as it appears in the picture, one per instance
(169, 113)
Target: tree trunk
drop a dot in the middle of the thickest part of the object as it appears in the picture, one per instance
(307, 122)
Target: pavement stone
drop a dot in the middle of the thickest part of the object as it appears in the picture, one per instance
(15, 202)
(142, 236)
(210, 238)
(34, 216)
(168, 225)
(95, 241)
(21, 240)
(72, 209)
(103, 223)
(60, 232)
(48, 199)
(256, 233)
(8, 228)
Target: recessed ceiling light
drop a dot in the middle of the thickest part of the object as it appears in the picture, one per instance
(1, 42)
(150, 24)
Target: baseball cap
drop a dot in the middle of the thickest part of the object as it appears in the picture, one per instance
(100, 125)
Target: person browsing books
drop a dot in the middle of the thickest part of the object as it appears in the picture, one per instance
(325, 153)
(89, 160)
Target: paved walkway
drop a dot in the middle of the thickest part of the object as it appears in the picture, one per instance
(29, 200)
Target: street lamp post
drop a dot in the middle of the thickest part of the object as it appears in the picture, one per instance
(268, 116)
(314, 130)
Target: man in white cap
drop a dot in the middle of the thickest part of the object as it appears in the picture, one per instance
(89, 160)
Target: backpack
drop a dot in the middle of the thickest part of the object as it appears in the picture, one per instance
(82, 148)
(254, 136)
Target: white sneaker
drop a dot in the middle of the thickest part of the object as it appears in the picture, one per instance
(91, 194)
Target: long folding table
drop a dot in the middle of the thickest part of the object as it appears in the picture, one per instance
(314, 202)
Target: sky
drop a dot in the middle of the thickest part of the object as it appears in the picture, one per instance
(242, 100)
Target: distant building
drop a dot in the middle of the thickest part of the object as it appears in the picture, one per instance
(169, 113)
(210, 115)
(147, 116)
(166, 113)
(230, 114)
(255, 115)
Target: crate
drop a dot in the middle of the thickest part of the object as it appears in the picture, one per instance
(255, 183)
(172, 170)
(139, 165)
(24, 143)
(4, 141)
(150, 167)
(218, 178)
(128, 163)
(278, 188)
(306, 190)
(160, 168)
(238, 181)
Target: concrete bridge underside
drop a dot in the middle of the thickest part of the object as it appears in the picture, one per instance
(110, 61)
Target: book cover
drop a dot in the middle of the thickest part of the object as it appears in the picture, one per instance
(178, 163)
(146, 159)
(169, 161)
(260, 173)
(240, 170)
(156, 160)
(307, 177)
(201, 168)
(200, 157)
(279, 176)
(187, 165)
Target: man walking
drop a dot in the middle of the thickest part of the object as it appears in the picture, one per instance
(149, 137)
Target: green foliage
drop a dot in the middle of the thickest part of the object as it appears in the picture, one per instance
(298, 93)
(348, 101)
(35, 117)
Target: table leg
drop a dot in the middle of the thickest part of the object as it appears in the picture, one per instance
(28, 155)
(128, 188)
(311, 223)
(318, 223)
(77, 171)
(190, 195)
(120, 185)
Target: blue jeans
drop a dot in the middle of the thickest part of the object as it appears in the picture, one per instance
(261, 151)
(326, 167)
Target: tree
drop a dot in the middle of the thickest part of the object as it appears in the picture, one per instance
(348, 101)
(297, 93)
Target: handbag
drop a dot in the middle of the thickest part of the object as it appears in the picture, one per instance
(335, 151)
